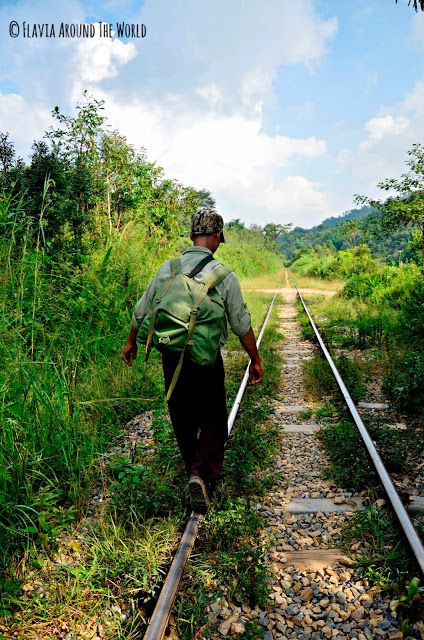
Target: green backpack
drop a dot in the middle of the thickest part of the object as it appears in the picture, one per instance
(186, 316)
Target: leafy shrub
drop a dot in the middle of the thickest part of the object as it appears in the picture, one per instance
(142, 491)
(230, 522)
(245, 572)
(318, 263)
(404, 382)
(247, 253)
(364, 285)
(318, 377)
(325, 262)
(352, 372)
(327, 411)
(350, 465)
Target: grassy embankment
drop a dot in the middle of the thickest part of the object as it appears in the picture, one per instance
(66, 569)
(374, 327)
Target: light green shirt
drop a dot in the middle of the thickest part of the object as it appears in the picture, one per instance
(229, 289)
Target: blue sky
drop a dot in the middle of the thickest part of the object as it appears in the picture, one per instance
(282, 110)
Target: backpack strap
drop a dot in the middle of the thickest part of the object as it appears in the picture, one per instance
(215, 276)
(175, 266)
(197, 269)
(218, 274)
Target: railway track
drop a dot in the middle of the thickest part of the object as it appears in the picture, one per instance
(313, 592)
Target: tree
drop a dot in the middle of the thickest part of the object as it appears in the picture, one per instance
(7, 152)
(407, 208)
(351, 233)
(235, 224)
(118, 162)
(416, 4)
(206, 199)
(273, 231)
(76, 143)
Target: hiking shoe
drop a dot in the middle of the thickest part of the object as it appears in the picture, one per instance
(198, 495)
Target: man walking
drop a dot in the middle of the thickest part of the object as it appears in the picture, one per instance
(197, 404)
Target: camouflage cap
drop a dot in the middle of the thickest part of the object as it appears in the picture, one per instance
(205, 222)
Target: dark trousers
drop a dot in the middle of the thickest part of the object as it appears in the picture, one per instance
(199, 416)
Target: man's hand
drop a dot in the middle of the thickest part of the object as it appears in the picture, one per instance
(130, 350)
(248, 343)
(256, 373)
(130, 353)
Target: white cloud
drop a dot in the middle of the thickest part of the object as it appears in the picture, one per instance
(383, 126)
(193, 94)
(228, 154)
(303, 111)
(296, 195)
(238, 47)
(97, 59)
(205, 125)
(382, 154)
(212, 94)
(24, 121)
(39, 68)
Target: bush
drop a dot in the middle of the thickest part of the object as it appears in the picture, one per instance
(247, 254)
(404, 382)
(324, 262)
(142, 491)
(384, 558)
(318, 263)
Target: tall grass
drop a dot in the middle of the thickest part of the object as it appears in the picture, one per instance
(64, 390)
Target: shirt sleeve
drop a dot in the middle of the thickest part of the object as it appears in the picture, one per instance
(143, 305)
(237, 313)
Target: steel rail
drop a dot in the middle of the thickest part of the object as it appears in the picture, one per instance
(160, 616)
(405, 522)
(242, 388)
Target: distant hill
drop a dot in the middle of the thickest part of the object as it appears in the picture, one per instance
(336, 221)
(329, 233)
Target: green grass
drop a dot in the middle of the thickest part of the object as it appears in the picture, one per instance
(349, 466)
(65, 393)
(91, 576)
(273, 280)
(319, 379)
